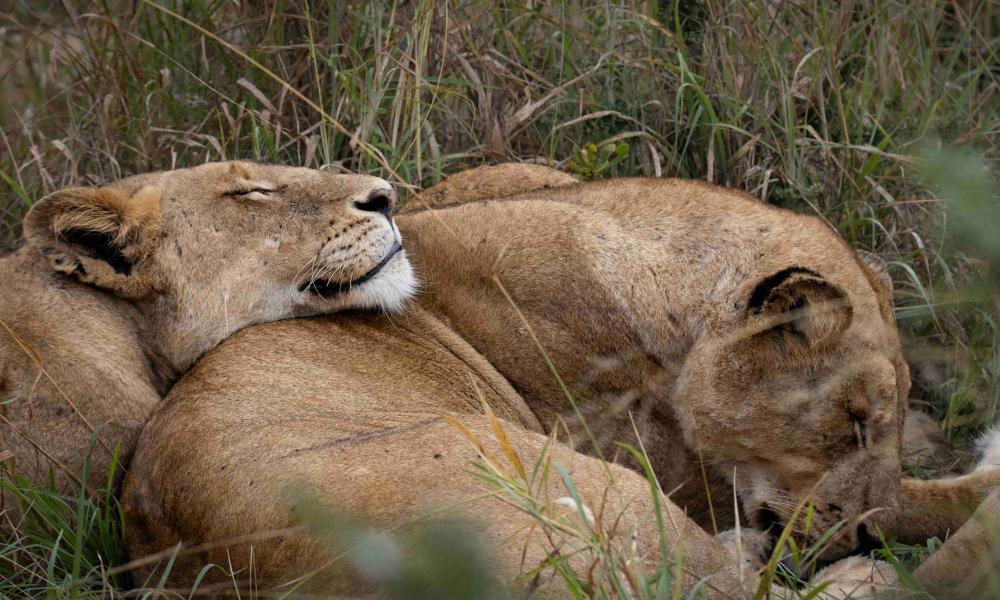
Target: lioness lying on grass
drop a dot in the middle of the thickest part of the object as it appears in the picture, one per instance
(120, 288)
(747, 347)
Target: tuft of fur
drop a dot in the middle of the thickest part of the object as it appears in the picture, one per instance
(390, 290)
(987, 448)
(104, 210)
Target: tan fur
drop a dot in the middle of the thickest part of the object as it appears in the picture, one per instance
(369, 440)
(857, 578)
(968, 564)
(663, 303)
(120, 288)
(669, 272)
(488, 182)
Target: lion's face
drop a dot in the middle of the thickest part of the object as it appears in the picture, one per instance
(805, 402)
(210, 249)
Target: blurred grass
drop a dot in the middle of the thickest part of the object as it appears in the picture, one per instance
(827, 108)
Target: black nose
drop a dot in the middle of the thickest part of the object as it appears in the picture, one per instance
(866, 541)
(379, 201)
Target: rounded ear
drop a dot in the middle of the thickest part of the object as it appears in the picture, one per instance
(801, 306)
(98, 235)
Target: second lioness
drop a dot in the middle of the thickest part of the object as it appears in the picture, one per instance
(736, 334)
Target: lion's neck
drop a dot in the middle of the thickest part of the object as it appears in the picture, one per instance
(541, 290)
(569, 303)
(564, 313)
(183, 334)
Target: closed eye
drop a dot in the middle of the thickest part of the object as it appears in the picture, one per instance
(861, 433)
(254, 194)
(247, 192)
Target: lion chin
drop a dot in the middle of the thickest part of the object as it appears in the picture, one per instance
(389, 290)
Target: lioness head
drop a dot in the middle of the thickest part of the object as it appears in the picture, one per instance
(207, 250)
(817, 388)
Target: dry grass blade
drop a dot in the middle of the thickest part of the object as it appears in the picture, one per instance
(524, 114)
(259, 95)
(487, 456)
(501, 434)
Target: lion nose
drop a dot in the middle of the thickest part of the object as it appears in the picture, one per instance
(865, 541)
(378, 201)
(859, 540)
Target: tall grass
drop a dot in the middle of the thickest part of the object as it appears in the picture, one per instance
(819, 106)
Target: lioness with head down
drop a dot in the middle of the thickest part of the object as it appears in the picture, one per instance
(735, 335)
(120, 288)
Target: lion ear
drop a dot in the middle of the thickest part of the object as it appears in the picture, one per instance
(799, 306)
(101, 236)
(878, 267)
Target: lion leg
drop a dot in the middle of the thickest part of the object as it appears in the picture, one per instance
(485, 183)
(392, 478)
(967, 565)
(937, 507)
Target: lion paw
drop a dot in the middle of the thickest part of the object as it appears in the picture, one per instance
(856, 577)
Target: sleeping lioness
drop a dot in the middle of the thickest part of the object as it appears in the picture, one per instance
(734, 335)
(120, 288)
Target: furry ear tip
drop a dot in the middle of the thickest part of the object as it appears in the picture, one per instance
(145, 203)
(872, 260)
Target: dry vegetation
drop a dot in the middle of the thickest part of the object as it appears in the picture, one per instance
(832, 108)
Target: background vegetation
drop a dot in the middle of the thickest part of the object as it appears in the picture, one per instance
(838, 109)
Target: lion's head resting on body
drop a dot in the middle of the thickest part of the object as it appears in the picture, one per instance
(120, 288)
(216, 247)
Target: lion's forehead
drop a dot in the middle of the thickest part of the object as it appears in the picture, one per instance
(190, 181)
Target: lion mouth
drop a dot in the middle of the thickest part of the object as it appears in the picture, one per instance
(328, 289)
